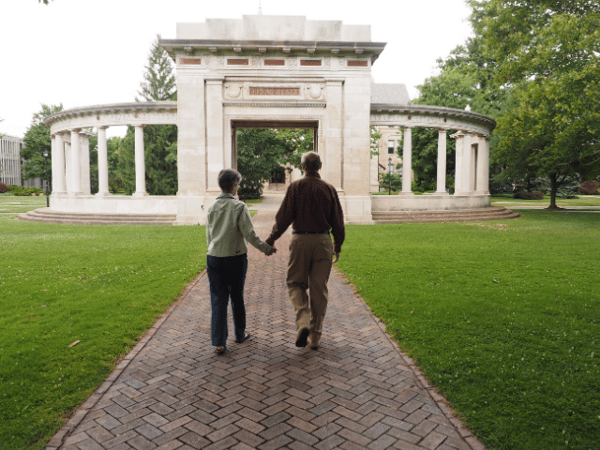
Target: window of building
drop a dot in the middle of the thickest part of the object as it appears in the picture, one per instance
(278, 175)
(391, 147)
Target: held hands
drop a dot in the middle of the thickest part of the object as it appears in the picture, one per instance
(272, 251)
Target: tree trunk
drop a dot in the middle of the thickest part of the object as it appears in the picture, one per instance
(553, 190)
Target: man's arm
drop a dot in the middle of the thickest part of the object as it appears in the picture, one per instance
(337, 225)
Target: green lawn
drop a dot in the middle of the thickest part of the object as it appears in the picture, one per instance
(20, 204)
(504, 317)
(583, 200)
(101, 285)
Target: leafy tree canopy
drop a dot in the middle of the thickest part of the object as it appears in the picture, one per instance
(262, 151)
(36, 141)
(548, 58)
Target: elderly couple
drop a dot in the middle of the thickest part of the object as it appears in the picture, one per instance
(313, 208)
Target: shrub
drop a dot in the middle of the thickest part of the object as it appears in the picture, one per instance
(587, 187)
(524, 195)
(3, 188)
(21, 191)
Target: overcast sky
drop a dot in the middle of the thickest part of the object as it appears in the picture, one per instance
(90, 52)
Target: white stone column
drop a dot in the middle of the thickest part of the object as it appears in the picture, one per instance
(441, 163)
(459, 137)
(483, 166)
(102, 163)
(84, 144)
(75, 163)
(217, 157)
(68, 167)
(407, 162)
(140, 163)
(58, 165)
(467, 175)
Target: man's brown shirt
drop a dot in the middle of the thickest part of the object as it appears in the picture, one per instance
(310, 205)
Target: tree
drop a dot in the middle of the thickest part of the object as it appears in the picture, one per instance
(548, 59)
(36, 141)
(262, 151)
(160, 141)
(459, 84)
(159, 80)
(375, 136)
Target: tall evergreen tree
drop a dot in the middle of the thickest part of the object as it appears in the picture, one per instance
(160, 141)
(159, 80)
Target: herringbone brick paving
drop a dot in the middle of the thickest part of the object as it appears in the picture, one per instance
(357, 391)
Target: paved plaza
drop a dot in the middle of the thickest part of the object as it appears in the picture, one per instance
(358, 391)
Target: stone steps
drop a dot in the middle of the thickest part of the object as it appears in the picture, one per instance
(463, 215)
(47, 215)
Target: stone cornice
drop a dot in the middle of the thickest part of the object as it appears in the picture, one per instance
(114, 108)
(200, 46)
(438, 111)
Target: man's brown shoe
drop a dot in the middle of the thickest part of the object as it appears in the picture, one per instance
(301, 337)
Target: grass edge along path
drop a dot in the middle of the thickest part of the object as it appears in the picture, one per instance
(503, 317)
(103, 286)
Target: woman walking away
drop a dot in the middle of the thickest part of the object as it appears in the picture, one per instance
(228, 226)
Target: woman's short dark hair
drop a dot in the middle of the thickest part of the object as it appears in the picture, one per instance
(228, 178)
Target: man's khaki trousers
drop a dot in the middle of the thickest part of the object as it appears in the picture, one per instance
(309, 268)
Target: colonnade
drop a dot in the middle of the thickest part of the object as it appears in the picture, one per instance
(71, 162)
(471, 167)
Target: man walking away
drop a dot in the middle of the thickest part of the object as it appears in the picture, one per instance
(313, 208)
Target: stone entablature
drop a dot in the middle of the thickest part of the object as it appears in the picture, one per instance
(119, 114)
(431, 117)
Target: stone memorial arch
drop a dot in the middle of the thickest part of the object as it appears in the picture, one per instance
(267, 71)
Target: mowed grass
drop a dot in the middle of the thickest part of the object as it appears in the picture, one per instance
(504, 317)
(103, 286)
(10, 204)
(590, 201)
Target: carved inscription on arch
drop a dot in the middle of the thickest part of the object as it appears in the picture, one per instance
(255, 90)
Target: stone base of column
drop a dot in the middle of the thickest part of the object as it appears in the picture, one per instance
(192, 209)
(102, 194)
(406, 194)
(140, 194)
(357, 209)
(442, 193)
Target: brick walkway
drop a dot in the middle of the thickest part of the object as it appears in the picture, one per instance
(357, 391)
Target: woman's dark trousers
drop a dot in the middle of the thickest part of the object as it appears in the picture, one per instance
(227, 277)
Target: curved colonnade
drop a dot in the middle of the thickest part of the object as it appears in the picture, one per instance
(71, 130)
(472, 157)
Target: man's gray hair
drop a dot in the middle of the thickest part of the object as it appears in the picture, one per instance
(311, 162)
(228, 178)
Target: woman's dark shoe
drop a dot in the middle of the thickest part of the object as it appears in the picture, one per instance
(220, 350)
(245, 338)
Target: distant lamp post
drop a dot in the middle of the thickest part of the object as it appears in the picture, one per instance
(45, 154)
(390, 172)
